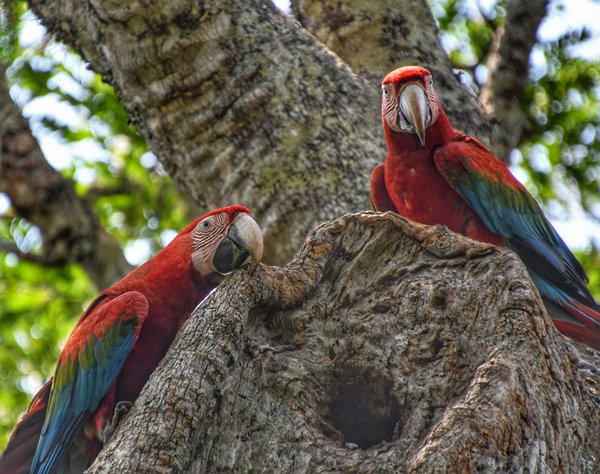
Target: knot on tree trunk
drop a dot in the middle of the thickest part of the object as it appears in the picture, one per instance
(384, 346)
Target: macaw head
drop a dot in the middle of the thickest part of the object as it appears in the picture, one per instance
(225, 239)
(409, 103)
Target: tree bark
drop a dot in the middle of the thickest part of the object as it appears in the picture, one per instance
(374, 38)
(384, 346)
(241, 105)
(508, 65)
(70, 229)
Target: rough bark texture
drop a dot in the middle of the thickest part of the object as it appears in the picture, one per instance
(508, 67)
(241, 105)
(384, 346)
(374, 38)
(71, 231)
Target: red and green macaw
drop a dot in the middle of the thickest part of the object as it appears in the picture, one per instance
(121, 338)
(435, 174)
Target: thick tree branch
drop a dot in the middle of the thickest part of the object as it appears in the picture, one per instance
(374, 350)
(71, 232)
(241, 105)
(508, 66)
(374, 38)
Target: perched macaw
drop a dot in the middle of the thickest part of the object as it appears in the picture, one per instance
(121, 338)
(435, 174)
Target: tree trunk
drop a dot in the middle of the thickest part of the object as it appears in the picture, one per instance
(503, 94)
(241, 105)
(384, 346)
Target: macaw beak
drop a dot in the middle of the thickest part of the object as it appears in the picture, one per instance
(414, 106)
(242, 244)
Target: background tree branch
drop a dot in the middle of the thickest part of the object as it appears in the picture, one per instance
(376, 334)
(508, 66)
(71, 232)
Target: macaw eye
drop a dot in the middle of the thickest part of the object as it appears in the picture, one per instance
(206, 224)
(386, 90)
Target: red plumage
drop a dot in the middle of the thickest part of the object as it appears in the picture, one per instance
(122, 336)
(435, 174)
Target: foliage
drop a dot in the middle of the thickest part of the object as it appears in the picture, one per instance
(563, 106)
(75, 114)
(467, 35)
(38, 310)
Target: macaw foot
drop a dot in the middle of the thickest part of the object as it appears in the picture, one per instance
(121, 409)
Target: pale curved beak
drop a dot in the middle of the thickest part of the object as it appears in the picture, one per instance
(242, 244)
(414, 106)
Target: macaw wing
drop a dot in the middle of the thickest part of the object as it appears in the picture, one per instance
(507, 208)
(380, 199)
(23, 441)
(87, 367)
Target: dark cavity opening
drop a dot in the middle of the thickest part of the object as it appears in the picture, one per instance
(363, 409)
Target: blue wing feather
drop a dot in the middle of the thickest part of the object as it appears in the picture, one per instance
(80, 383)
(507, 209)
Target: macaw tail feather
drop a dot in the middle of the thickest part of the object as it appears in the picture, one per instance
(19, 452)
(576, 320)
(579, 333)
